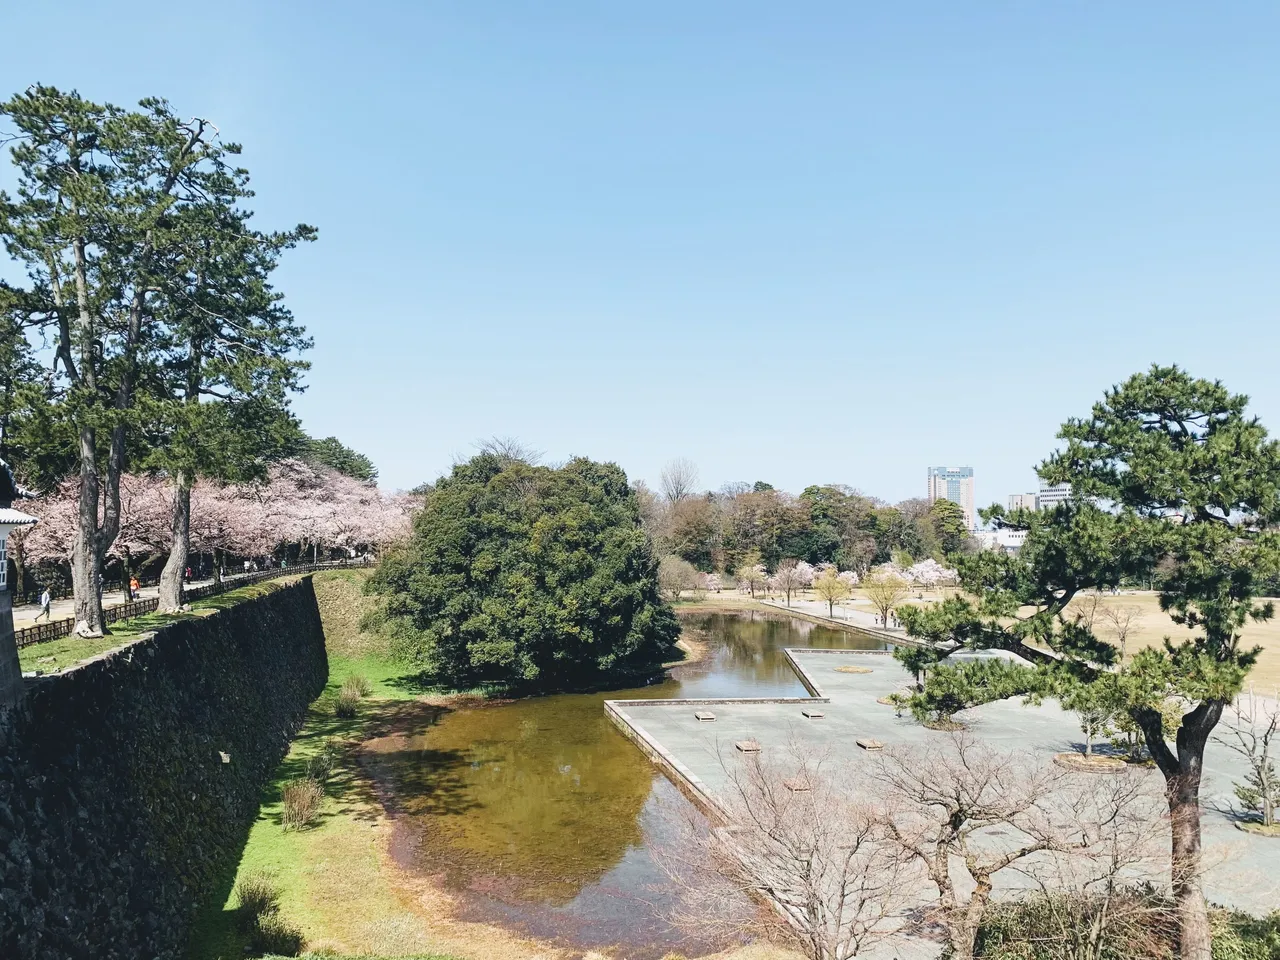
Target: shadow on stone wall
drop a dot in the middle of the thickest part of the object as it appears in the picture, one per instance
(128, 785)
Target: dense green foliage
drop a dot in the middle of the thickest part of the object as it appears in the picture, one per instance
(332, 452)
(528, 575)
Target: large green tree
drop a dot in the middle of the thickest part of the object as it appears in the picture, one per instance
(98, 189)
(1167, 469)
(528, 575)
(227, 353)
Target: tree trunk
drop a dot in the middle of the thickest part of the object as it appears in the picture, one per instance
(179, 545)
(86, 561)
(1182, 772)
(126, 575)
(1194, 937)
(217, 569)
(19, 568)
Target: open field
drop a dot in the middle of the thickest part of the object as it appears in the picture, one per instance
(1151, 625)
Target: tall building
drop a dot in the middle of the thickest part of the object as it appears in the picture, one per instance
(1022, 501)
(1052, 494)
(954, 484)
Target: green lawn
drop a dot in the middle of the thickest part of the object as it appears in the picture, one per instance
(55, 655)
(330, 874)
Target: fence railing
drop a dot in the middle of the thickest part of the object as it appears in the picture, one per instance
(56, 629)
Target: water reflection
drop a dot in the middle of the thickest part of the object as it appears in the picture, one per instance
(544, 815)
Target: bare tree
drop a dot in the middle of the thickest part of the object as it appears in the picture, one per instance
(510, 450)
(679, 480)
(1251, 729)
(968, 804)
(1122, 620)
(676, 575)
(794, 841)
(1087, 607)
(1094, 900)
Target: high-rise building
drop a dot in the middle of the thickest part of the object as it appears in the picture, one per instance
(1052, 494)
(954, 484)
(1022, 501)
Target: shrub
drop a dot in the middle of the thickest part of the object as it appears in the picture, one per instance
(274, 935)
(347, 704)
(319, 767)
(357, 684)
(256, 896)
(301, 800)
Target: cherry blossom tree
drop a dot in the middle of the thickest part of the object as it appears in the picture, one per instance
(316, 509)
(805, 574)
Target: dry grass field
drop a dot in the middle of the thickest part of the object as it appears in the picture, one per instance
(1151, 625)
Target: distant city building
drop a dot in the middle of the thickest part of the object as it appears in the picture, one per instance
(1022, 501)
(1004, 540)
(954, 484)
(1052, 494)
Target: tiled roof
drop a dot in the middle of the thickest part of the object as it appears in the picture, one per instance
(15, 517)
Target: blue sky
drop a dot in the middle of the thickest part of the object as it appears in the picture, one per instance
(810, 242)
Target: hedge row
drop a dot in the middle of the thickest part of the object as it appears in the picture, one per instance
(128, 785)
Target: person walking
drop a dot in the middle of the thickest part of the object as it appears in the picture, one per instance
(46, 602)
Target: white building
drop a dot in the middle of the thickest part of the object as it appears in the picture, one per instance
(954, 484)
(1051, 495)
(1004, 539)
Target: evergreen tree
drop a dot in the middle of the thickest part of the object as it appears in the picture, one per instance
(528, 575)
(1169, 470)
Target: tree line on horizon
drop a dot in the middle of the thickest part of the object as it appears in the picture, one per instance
(743, 525)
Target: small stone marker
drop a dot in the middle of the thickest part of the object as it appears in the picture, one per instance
(797, 784)
(852, 669)
(748, 746)
(706, 716)
(226, 757)
(869, 743)
(813, 713)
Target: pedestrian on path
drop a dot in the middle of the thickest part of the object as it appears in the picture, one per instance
(45, 602)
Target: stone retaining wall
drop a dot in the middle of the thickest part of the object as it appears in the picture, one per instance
(128, 784)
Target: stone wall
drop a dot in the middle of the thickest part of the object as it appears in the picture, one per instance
(128, 785)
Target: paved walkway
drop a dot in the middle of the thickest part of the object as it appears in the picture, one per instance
(1243, 870)
(25, 615)
(842, 614)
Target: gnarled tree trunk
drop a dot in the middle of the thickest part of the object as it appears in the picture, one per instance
(1182, 773)
(179, 546)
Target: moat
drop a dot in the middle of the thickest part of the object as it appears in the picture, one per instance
(540, 815)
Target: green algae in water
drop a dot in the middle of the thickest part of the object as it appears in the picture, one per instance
(543, 803)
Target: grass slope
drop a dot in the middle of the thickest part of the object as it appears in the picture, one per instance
(336, 885)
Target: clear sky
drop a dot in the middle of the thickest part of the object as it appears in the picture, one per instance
(800, 242)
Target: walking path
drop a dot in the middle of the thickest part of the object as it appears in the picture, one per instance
(1242, 869)
(862, 619)
(25, 615)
